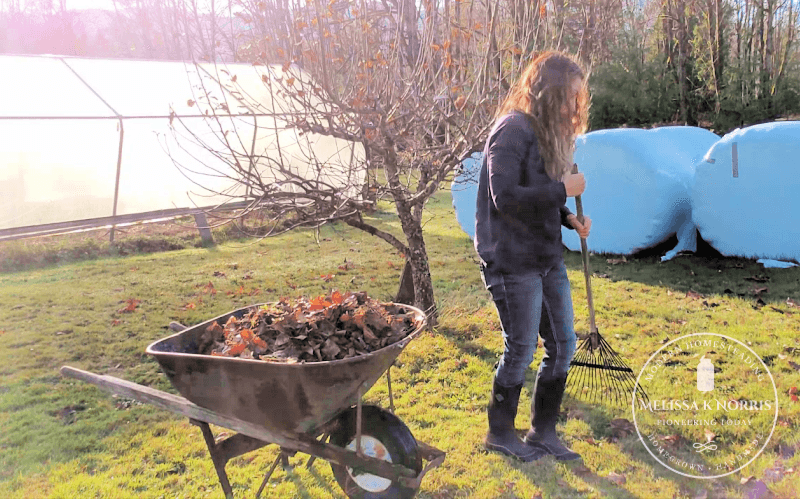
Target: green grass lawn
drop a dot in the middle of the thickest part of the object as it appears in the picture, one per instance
(62, 438)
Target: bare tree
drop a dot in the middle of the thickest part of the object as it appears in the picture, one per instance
(403, 96)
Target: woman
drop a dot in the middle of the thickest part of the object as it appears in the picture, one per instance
(525, 179)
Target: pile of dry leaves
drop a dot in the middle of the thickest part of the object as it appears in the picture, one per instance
(332, 327)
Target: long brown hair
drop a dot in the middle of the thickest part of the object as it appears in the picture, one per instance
(542, 92)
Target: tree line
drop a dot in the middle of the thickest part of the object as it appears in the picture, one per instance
(713, 63)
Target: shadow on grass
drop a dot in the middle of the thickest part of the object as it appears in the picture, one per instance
(706, 271)
(599, 420)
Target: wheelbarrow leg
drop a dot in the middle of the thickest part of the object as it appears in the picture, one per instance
(224, 451)
(218, 460)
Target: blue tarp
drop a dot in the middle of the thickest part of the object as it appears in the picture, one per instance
(746, 194)
(638, 185)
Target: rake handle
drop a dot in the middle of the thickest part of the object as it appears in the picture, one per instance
(585, 255)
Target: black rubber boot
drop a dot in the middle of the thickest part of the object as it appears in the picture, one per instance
(546, 402)
(502, 437)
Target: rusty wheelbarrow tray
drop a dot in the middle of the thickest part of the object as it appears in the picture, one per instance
(298, 407)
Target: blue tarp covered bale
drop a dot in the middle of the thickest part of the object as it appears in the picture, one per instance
(746, 195)
(638, 187)
(465, 193)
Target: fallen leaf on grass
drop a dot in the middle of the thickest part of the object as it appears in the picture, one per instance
(792, 303)
(710, 435)
(617, 261)
(116, 322)
(132, 303)
(693, 294)
(758, 290)
(217, 273)
(672, 440)
(757, 278)
(617, 478)
(795, 365)
(347, 266)
(621, 427)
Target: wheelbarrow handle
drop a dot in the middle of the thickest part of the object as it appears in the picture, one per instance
(585, 257)
(176, 326)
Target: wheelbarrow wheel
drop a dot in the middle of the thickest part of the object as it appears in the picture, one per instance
(384, 436)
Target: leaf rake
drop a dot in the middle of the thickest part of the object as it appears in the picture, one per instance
(597, 373)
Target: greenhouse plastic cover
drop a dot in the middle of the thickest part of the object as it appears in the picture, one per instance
(638, 186)
(746, 196)
(62, 129)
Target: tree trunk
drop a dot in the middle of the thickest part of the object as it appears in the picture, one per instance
(418, 260)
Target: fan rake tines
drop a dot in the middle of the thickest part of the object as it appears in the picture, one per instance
(598, 374)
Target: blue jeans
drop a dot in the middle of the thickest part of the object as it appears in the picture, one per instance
(529, 304)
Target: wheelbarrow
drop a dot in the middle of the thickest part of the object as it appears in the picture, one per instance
(314, 408)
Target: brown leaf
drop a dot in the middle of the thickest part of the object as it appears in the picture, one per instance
(617, 478)
(331, 349)
(282, 340)
(710, 435)
(622, 427)
(693, 294)
(131, 304)
(757, 278)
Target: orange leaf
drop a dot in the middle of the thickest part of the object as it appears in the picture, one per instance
(460, 102)
(543, 10)
(236, 349)
(259, 343)
(190, 103)
(435, 46)
(290, 81)
(115, 322)
(446, 44)
(337, 297)
(478, 26)
(233, 78)
(231, 320)
(132, 303)
(247, 335)
(189, 306)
